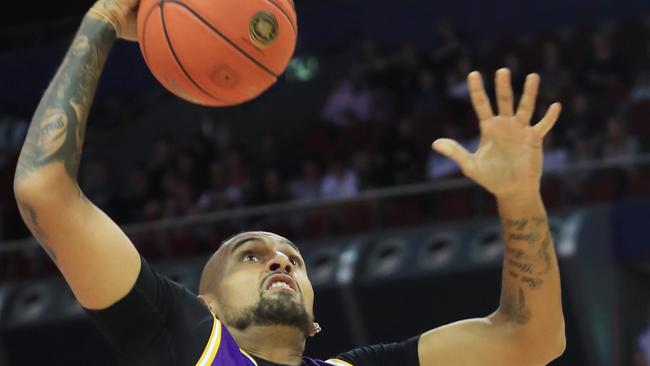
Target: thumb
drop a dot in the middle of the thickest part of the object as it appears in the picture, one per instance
(454, 151)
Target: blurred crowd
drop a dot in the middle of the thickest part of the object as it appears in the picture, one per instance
(375, 128)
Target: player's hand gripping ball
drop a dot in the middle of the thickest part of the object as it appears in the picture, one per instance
(217, 53)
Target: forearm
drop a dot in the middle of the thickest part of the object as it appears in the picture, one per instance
(530, 294)
(49, 160)
(57, 130)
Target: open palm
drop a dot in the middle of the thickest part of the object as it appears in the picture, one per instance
(509, 157)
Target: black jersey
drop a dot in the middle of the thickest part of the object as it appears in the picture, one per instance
(162, 323)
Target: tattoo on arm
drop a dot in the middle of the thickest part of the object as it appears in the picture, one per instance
(513, 305)
(31, 220)
(527, 260)
(58, 127)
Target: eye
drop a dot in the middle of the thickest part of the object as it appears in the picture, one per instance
(295, 261)
(250, 257)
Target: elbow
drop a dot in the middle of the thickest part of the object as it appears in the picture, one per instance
(560, 347)
(48, 186)
(30, 189)
(547, 351)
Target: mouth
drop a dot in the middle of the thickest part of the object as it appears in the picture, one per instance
(281, 283)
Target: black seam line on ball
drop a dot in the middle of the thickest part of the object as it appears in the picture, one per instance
(233, 44)
(178, 62)
(285, 14)
(146, 21)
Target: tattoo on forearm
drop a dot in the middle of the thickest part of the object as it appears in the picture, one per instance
(58, 127)
(513, 305)
(31, 220)
(530, 238)
(527, 260)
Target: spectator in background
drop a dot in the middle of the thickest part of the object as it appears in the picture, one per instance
(583, 152)
(556, 77)
(239, 178)
(641, 90)
(274, 189)
(180, 198)
(556, 157)
(137, 194)
(363, 165)
(427, 97)
(449, 46)
(579, 120)
(603, 69)
(642, 354)
(12, 133)
(201, 149)
(308, 185)
(373, 63)
(340, 181)
(220, 194)
(400, 150)
(351, 100)
(159, 162)
(618, 145)
(185, 169)
(457, 80)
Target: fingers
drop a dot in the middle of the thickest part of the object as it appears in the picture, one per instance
(479, 98)
(504, 92)
(551, 116)
(454, 151)
(528, 99)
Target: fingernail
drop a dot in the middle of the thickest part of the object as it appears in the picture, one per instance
(441, 146)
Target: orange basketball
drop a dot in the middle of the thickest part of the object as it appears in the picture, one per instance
(217, 52)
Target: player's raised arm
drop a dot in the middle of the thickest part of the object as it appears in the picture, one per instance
(94, 255)
(528, 326)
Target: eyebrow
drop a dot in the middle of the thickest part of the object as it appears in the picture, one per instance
(243, 241)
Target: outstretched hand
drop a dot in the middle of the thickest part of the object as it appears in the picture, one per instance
(509, 158)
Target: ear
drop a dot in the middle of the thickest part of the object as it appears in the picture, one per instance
(315, 329)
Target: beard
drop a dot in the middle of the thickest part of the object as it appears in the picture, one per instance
(281, 309)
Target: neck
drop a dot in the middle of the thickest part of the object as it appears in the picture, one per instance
(278, 344)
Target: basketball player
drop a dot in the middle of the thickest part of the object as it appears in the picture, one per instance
(255, 304)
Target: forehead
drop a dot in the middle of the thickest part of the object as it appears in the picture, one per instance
(264, 237)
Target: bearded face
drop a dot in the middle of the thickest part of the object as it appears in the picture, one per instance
(280, 309)
(264, 283)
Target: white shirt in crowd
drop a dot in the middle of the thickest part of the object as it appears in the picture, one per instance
(345, 185)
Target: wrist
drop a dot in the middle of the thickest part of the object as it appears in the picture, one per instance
(103, 17)
(518, 195)
(519, 202)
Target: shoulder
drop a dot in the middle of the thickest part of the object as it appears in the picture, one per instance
(385, 354)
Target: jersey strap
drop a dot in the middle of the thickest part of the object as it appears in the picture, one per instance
(214, 342)
(221, 349)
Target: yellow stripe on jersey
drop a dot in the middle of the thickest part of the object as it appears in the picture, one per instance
(210, 351)
(337, 362)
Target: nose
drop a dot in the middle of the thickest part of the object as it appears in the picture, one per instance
(281, 263)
